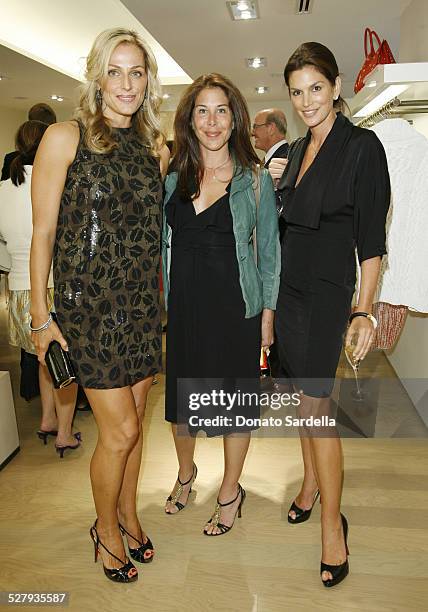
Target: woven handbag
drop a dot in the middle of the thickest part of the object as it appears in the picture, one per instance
(382, 55)
(390, 322)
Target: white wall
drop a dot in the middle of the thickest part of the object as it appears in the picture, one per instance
(414, 32)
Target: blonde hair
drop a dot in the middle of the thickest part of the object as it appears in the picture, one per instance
(146, 121)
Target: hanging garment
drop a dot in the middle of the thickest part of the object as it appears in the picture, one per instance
(404, 276)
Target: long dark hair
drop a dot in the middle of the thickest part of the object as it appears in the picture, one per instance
(186, 152)
(27, 140)
(320, 57)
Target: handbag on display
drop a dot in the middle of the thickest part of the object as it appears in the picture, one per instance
(382, 55)
(390, 322)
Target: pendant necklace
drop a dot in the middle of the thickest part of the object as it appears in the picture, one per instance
(215, 178)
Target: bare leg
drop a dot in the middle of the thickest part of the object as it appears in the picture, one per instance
(327, 453)
(185, 449)
(327, 462)
(127, 504)
(49, 419)
(65, 402)
(305, 498)
(235, 451)
(118, 432)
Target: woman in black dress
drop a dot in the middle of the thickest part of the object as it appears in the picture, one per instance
(335, 194)
(97, 192)
(220, 305)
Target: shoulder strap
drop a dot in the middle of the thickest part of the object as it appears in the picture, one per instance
(256, 189)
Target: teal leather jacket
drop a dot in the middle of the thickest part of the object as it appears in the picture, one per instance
(259, 283)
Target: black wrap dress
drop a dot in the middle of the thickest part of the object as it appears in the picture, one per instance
(339, 205)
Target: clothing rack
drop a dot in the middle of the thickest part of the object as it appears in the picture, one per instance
(393, 107)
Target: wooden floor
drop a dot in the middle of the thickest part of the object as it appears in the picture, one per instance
(263, 565)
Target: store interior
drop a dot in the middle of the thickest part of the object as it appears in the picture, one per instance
(264, 564)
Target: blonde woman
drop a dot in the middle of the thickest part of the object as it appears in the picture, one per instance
(97, 189)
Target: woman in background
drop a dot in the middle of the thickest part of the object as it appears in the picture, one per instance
(16, 228)
(97, 194)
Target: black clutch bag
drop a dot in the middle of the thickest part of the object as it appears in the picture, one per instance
(59, 365)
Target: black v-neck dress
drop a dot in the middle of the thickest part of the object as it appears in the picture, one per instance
(339, 206)
(208, 335)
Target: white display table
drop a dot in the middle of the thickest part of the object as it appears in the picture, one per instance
(9, 439)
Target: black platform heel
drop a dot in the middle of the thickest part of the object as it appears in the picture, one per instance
(43, 435)
(173, 499)
(301, 515)
(127, 573)
(138, 553)
(339, 572)
(214, 520)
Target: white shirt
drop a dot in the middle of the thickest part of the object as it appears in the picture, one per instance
(16, 227)
(404, 273)
(274, 148)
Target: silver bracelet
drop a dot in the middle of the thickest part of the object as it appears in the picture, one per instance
(42, 327)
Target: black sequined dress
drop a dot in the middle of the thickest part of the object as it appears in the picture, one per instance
(106, 263)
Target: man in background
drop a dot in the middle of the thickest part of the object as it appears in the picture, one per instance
(39, 112)
(269, 132)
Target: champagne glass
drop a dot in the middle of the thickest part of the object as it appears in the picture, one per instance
(355, 364)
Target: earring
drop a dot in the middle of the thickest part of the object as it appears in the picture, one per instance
(99, 97)
(143, 103)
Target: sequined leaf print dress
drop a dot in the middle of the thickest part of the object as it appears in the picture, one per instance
(106, 263)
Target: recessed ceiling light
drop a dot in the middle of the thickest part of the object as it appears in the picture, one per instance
(303, 7)
(243, 9)
(59, 99)
(54, 97)
(256, 62)
(166, 96)
(261, 89)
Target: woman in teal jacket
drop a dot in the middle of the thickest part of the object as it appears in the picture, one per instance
(220, 284)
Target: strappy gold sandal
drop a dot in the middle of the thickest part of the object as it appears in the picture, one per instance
(173, 499)
(215, 519)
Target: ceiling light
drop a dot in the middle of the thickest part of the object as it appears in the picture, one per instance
(54, 97)
(59, 99)
(383, 98)
(166, 96)
(243, 10)
(371, 84)
(303, 7)
(261, 89)
(256, 62)
(1, 78)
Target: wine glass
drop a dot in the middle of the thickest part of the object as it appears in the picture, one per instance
(355, 364)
